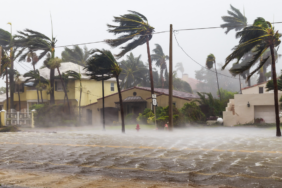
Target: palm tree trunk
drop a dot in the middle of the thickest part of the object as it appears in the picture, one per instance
(121, 107)
(79, 110)
(103, 95)
(52, 94)
(41, 96)
(36, 88)
(278, 132)
(240, 84)
(217, 81)
(150, 67)
(12, 84)
(64, 89)
(249, 81)
(7, 90)
(19, 99)
(162, 78)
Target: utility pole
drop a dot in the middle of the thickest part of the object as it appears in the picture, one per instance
(170, 82)
(0, 58)
(103, 101)
(240, 84)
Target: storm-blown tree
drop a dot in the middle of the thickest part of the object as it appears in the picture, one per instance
(102, 66)
(179, 67)
(40, 42)
(209, 64)
(133, 72)
(236, 20)
(76, 55)
(135, 30)
(160, 59)
(258, 38)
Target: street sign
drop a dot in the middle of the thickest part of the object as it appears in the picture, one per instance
(154, 102)
(154, 96)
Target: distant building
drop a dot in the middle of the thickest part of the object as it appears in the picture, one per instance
(254, 102)
(135, 100)
(191, 81)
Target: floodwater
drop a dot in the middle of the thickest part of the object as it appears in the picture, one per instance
(235, 157)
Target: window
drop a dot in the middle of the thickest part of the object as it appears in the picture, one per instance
(19, 87)
(112, 86)
(59, 86)
(260, 89)
(174, 103)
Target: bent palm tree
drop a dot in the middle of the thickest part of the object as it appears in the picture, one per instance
(76, 55)
(160, 59)
(102, 66)
(5, 62)
(179, 67)
(258, 38)
(209, 64)
(55, 63)
(77, 76)
(236, 20)
(40, 42)
(138, 32)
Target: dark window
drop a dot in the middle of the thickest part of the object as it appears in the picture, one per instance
(174, 103)
(112, 86)
(59, 86)
(19, 87)
(260, 89)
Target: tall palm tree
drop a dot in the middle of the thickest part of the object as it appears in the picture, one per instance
(40, 42)
(18, 83)
(179, 67)
(138, 32)
(76, 55)
(5, 63)
(258, 38)
(102, 66)
(160, 59)
(13, 51)
(133, 71)
(209, 64)
(236, 20)
(77, 76)
(55, 63)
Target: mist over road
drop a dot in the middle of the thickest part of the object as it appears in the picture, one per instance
(239, 157)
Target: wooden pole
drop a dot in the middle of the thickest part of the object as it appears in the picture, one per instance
(0, 58)
(170, 82)
(103, 102)
(240, 84)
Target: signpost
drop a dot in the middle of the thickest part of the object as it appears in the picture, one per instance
(154, 102)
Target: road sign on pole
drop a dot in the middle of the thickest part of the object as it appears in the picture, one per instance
(154, 102)
(154, 96)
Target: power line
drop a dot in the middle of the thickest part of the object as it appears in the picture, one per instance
(196, 61)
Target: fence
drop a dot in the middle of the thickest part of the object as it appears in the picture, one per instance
(22, 118)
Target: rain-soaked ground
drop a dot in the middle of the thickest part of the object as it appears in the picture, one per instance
(235, 157)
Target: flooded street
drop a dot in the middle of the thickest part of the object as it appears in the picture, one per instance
(219, 157)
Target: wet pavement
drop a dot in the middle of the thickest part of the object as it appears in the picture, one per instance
(238, 157)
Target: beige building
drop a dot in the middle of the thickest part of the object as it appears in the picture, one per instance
(135, 100)
(254, 102)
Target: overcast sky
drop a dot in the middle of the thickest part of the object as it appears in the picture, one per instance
(81, 21)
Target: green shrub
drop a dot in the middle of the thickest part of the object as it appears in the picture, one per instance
(192, 113)
(48, 115)
(142, 118)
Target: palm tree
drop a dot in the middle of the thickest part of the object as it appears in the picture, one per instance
(18, 83)
(236, 20)
(76, 55)
(55, 63)
(38, 80)
(102, 66)
(5, 62)
(133, 71)
(138, 32)
(209, 64)
(160, 59)
(77, 76)
(258, 38)
(179, 67)
(40, 42)
(9, 45)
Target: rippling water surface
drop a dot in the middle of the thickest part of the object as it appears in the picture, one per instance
(239, 157)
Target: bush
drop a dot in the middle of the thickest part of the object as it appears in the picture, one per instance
(192, 113)
(129, 118)
(142, 118)
(47, 115)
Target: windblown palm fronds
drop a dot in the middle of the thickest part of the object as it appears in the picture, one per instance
(134, 28)
(236, 20)
(160, 59)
